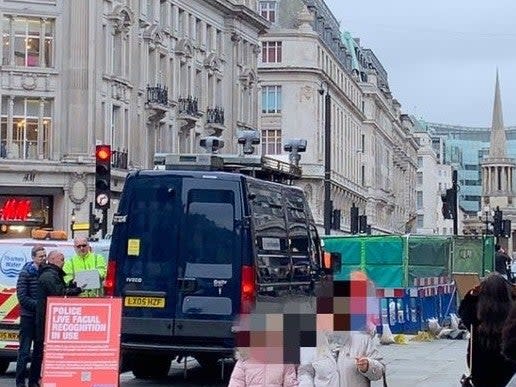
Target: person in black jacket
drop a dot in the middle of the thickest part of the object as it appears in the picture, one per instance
(485, 309)
(26, 291)
(50, 283)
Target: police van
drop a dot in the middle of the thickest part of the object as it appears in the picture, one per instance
(192, 249)
(14, 253)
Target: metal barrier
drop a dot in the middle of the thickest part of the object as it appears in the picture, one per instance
(407, 310)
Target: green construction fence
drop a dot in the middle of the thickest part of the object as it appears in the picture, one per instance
(394, 261)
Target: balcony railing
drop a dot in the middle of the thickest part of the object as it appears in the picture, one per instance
(119, 159)
(157, 95)
(215, 116)
(188, 106)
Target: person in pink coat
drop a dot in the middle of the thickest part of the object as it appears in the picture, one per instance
(252, 373)
(260, 361)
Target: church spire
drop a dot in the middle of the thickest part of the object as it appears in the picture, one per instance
(497, 147)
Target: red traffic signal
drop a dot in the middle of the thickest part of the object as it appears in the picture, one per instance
(103, 152)
(102, 176)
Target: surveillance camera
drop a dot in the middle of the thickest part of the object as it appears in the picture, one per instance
(212, 144)
(248, 138)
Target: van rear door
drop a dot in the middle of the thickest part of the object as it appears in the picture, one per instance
(210, 258)
(146, 251)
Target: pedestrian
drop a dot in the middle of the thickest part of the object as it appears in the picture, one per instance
(50, 283)
(85, 259)
(509, 340)
(484, 311)
(260, 360)
(502, 261)
(27, 293)
(343, 359)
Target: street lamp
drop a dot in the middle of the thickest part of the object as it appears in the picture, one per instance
(324, 88)
(486, 211)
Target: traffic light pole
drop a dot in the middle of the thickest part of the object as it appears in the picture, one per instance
(455, 203)
(90, 221)
(104, 222)
(327, 163)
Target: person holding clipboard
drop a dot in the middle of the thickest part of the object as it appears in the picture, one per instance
(86, 269)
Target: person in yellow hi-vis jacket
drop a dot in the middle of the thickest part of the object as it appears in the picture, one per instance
(85, 259)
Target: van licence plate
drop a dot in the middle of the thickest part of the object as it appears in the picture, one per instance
(8, 335)
(144, 302)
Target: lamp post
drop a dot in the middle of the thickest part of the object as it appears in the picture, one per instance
(327, 156)
(486, 211)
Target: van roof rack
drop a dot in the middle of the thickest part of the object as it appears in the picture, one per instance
(261, 167)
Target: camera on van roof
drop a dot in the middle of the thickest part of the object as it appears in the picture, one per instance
(295, 144)
(248, 138)
(212, 144)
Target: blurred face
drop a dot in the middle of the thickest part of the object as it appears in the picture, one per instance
(39, 257)
(82, 246)
(57, 259)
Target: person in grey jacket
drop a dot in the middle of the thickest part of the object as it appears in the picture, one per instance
(27, 293)
(343, 359)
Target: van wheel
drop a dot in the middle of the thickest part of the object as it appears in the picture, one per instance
(4, 365)
(209, 362)
(152, 367)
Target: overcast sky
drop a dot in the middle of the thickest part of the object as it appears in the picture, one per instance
(441, 55)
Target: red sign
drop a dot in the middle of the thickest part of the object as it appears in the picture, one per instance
(14, 209)
(82, 342)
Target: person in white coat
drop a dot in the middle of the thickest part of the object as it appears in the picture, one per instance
(342, 359)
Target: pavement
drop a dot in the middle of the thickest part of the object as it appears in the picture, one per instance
(438, 363)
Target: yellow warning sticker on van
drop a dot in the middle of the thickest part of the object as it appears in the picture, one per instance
(133, 247)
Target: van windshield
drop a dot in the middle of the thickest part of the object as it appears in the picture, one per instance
(210, 226)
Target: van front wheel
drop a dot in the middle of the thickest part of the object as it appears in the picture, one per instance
(4, 365)
(152, 367)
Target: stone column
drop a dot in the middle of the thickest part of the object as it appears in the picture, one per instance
(10, 123)
(77, 83)
(42, 44)
(39, 144)
(11, 40)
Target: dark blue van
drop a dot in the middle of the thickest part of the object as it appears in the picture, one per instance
(191, 250)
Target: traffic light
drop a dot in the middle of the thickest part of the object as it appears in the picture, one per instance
(95, 224)
(362, 224)
(498, 222)
(449, 208)
(102, 176)
(354, 220)
(506, 228)
(335, 224)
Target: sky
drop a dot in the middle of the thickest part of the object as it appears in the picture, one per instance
(441, 56)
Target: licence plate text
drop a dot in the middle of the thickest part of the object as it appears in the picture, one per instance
(144, 302)
(8, 335)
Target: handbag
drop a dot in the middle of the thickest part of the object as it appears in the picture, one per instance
(466, 380)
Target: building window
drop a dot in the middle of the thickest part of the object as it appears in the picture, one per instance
(419, 200)
(271, 52)
(420, 162)
(268, 10)
(471, 167)
(33, 41)
(420, 178)
(271, 141)
(32, 123)
(420, 221)
(271, 99)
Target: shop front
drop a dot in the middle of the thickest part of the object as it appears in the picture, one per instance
(20, 214)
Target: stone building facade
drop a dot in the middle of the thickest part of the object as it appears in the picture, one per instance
(145, 76)
(373, 151)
